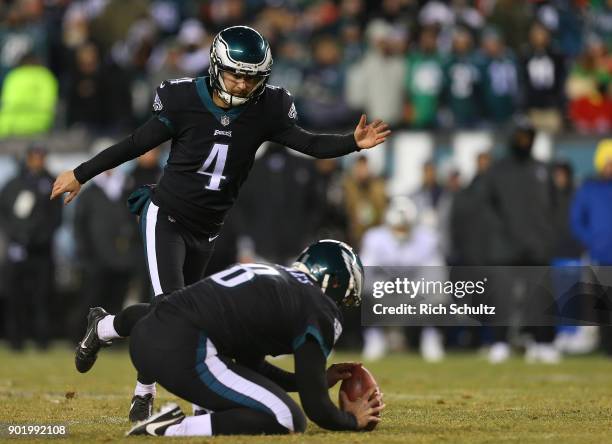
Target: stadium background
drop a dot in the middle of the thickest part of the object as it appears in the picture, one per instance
(453, 78)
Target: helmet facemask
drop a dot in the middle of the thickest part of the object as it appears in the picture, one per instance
(352, 296)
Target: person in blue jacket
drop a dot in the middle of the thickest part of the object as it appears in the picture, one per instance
(591, 220)
(591, 210)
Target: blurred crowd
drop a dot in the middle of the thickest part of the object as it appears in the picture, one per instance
(414, 63)
(515, 211)
(424, 65)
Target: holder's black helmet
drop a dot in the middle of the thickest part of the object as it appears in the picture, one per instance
(336, 268)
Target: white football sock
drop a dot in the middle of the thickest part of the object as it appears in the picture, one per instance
(191, 426)
(106, 329)
(144, 389)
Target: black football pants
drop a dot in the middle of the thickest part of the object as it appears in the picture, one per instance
(166, 349)
(175, 256)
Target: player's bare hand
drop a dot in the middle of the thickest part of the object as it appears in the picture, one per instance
(339, 372)
(365, 409)
(372, 134)
(66, 183)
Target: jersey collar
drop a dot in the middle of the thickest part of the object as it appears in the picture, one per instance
(224, 116)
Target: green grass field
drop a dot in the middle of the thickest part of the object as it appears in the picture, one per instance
(463, 399)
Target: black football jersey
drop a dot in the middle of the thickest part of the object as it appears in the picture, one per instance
(253, 310)
(213, 149)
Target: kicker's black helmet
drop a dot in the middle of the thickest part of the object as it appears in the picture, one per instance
(243, 51)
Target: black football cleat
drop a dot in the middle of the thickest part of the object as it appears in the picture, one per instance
(141, 408)
(86, 352)
(156, 425)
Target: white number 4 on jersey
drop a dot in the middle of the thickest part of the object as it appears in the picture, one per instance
(218, 155)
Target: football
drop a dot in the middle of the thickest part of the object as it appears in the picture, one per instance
(357, 385)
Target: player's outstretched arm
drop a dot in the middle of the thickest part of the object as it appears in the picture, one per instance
(145, 138)
(326, 146)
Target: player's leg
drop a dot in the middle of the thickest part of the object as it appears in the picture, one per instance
(186, 363)
(102, 328)
(165, 252)
(165, 249)
(124, 321)
(199, 251)
(171, 421)
(249, 404)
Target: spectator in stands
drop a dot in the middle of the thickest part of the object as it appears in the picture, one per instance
(591, 212)
(375, 90)
(75, 26)
(461, 79)
(401, 14)
(282, 221)
(165, 64)
(445, 204)
(589, 88)
(107, 252)
(365, 199)
(427, 197)
(424, 81)
(29, 220)
(591, 218)
(22, 32)
(223, 13)
(353, 11)
(289, 66)
(566, 244)
(567, 264)
(470, 221)
(565, 20)
(543, 75)
(404, 241)
(352, 42)
(28, 99)
(111, 22)
(322, 104)
(172, 41)
(519, 192)
(87, 97)
(499, 78)
(330, 215)
(512, 19)
(599, 18)
(195, 45)
(448, 16)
